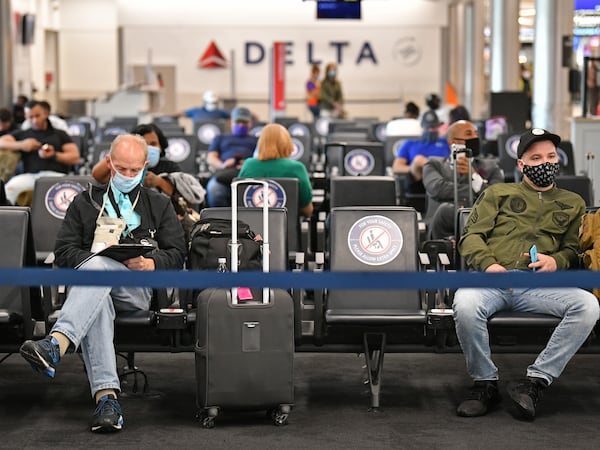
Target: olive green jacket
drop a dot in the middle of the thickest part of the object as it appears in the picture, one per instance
(508, 219)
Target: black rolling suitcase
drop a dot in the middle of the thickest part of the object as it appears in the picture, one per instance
(245, 349)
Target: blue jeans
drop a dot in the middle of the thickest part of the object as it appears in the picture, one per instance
(218, 194)
(87, 319)
(577, 308)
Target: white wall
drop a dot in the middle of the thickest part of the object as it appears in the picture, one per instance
(177, 32)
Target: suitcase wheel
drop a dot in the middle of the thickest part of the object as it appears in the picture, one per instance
(207, 417)
(280, 415)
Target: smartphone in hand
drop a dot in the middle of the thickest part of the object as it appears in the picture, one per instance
(533, 254)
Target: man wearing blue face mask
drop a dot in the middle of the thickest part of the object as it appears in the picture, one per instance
(226, 154)
(122, 211)
(438, 179)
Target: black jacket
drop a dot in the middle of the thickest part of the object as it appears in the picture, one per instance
(158, 222)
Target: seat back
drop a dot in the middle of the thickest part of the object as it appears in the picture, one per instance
(206, 130)
(99, 151)
(362, 191)
(580, 184)
(391, 146)
(283, 193)
(567, 158)
(355, 158)
(253, 217)
(17, 252)
(302, 148)
(51, 198)
(507, 154)
(183, 149)
(373, 239)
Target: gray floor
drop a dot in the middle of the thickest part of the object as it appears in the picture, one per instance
(419, 396)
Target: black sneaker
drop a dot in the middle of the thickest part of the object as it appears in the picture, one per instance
(43, 355)
(526, 395)
(482, 396)
(108, 416)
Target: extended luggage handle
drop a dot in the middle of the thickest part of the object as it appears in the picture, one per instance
(234, 231)
(455, 150)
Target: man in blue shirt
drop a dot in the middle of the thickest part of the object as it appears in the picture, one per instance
(414, 153)
(209, 111)
(226, 154)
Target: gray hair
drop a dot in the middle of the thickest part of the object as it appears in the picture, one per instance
(130, 137)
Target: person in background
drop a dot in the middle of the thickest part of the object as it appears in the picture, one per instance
(19, 109)
(86, 319)
(208, 111)
(438, 179)
(44, 150)
(457, 113)
(313, 91)
(274, 149)
(7, 124)
(8, 160)
(226, 155)
(407, 125)
(506, 221)
(58, 123)
(413, 153)
(592, 87)
(332, 97)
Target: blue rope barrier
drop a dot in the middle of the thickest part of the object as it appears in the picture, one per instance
(287, 280)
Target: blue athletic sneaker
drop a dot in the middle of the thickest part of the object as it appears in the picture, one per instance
(43, 355)
(108, 416)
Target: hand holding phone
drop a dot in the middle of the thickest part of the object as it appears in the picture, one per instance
(533, 255)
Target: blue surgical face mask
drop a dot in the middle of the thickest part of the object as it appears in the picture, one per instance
(240, 130)
(153, 155)
(126, 184)
(331, 74)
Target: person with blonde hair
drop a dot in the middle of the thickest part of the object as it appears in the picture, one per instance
(272, 160)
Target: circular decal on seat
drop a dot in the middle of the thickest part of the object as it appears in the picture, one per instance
(381, 132)
(375, 240)
(298, 151)
(59, 197)
(298, 129)
(359, 162)
(207, 132)
(512, 143)
(253, 196)
(562, 157)
(178, 150)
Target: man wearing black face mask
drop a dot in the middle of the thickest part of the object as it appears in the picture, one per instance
(438, 179)
(413, 153)
(226, 155)
(505, 223)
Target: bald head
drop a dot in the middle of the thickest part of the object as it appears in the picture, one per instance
(461, 131)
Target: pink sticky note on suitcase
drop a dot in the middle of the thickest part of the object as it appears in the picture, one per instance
(244, 293)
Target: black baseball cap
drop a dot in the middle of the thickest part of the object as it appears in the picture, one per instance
(535, 135)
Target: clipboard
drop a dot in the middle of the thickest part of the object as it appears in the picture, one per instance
(121, 252)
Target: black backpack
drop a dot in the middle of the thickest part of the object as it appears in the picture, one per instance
(210, 239)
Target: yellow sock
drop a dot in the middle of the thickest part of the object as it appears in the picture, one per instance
(63, 342)
(101, 393)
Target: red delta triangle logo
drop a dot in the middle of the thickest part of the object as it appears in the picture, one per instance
(212, 58)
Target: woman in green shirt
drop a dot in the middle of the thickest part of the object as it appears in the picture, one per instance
(272, 161)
